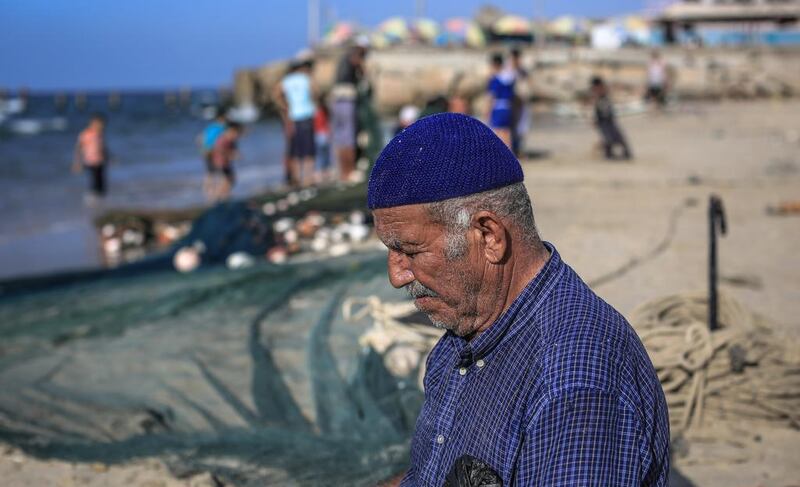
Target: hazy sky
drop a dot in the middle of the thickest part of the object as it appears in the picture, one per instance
(96, 44)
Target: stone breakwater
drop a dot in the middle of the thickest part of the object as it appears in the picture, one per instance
(407, 75)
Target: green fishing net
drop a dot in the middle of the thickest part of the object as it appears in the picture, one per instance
(252, 375)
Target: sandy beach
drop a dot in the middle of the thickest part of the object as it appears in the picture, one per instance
(636, 231)
(602, 214)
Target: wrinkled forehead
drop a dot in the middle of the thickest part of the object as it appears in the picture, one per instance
(403, 224)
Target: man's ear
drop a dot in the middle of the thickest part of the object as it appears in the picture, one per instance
(493, 235)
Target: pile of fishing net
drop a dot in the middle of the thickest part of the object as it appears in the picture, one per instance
(252, 375)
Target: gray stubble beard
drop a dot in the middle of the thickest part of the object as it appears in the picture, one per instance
(416, 289)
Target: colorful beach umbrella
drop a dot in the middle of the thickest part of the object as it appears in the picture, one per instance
(463, 31)
(567, 26)
(395, 29)
(426, 29)
(512, 25)
(339, 33)
(634, 23)
(638, 29)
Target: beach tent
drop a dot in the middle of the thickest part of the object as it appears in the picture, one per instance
(607, 35)
(462, 31)
(426, 29)
(619, 32)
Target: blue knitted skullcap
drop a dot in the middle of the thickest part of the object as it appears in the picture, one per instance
(439, 157)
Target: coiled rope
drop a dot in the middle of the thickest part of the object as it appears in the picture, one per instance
(742, 371)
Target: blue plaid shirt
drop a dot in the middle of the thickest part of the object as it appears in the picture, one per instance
(558, 391)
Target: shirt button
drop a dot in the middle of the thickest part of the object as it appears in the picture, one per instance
(440, 439)
(480, 363)
(462, 371)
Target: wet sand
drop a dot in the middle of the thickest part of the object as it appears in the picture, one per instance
(604, 215)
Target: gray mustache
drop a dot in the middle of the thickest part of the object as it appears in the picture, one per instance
(417, 290)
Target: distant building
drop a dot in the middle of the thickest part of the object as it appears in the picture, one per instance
(731, 22)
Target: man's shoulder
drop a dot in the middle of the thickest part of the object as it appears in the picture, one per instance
(585, 342)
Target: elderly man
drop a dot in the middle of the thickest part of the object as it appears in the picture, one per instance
(536, 377)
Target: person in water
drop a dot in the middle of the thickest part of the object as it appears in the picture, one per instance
(207, 139)
(224, 153)
(91, 154)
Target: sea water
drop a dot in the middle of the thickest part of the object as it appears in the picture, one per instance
(45, 221)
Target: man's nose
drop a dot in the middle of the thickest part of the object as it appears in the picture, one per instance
(400, 273)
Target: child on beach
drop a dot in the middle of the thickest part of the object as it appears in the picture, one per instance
(605, 120)
(322, 139)
(91, 154)
(501, 91)
(223, 154)
(207, 139)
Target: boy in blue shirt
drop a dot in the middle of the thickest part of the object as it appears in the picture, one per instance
(501, 92)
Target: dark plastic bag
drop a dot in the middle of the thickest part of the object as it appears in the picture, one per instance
(468, 471)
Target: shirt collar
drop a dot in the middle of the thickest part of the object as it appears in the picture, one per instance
(506, 325)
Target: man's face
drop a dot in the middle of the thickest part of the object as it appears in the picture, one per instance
(445, 290)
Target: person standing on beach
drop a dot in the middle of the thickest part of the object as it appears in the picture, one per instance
(520, 117)
(606, 122)
(207, 139)
(657, 81)
(224, 153)
(295, 98)
(91, 154)
(501, 94)
(344, 95)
